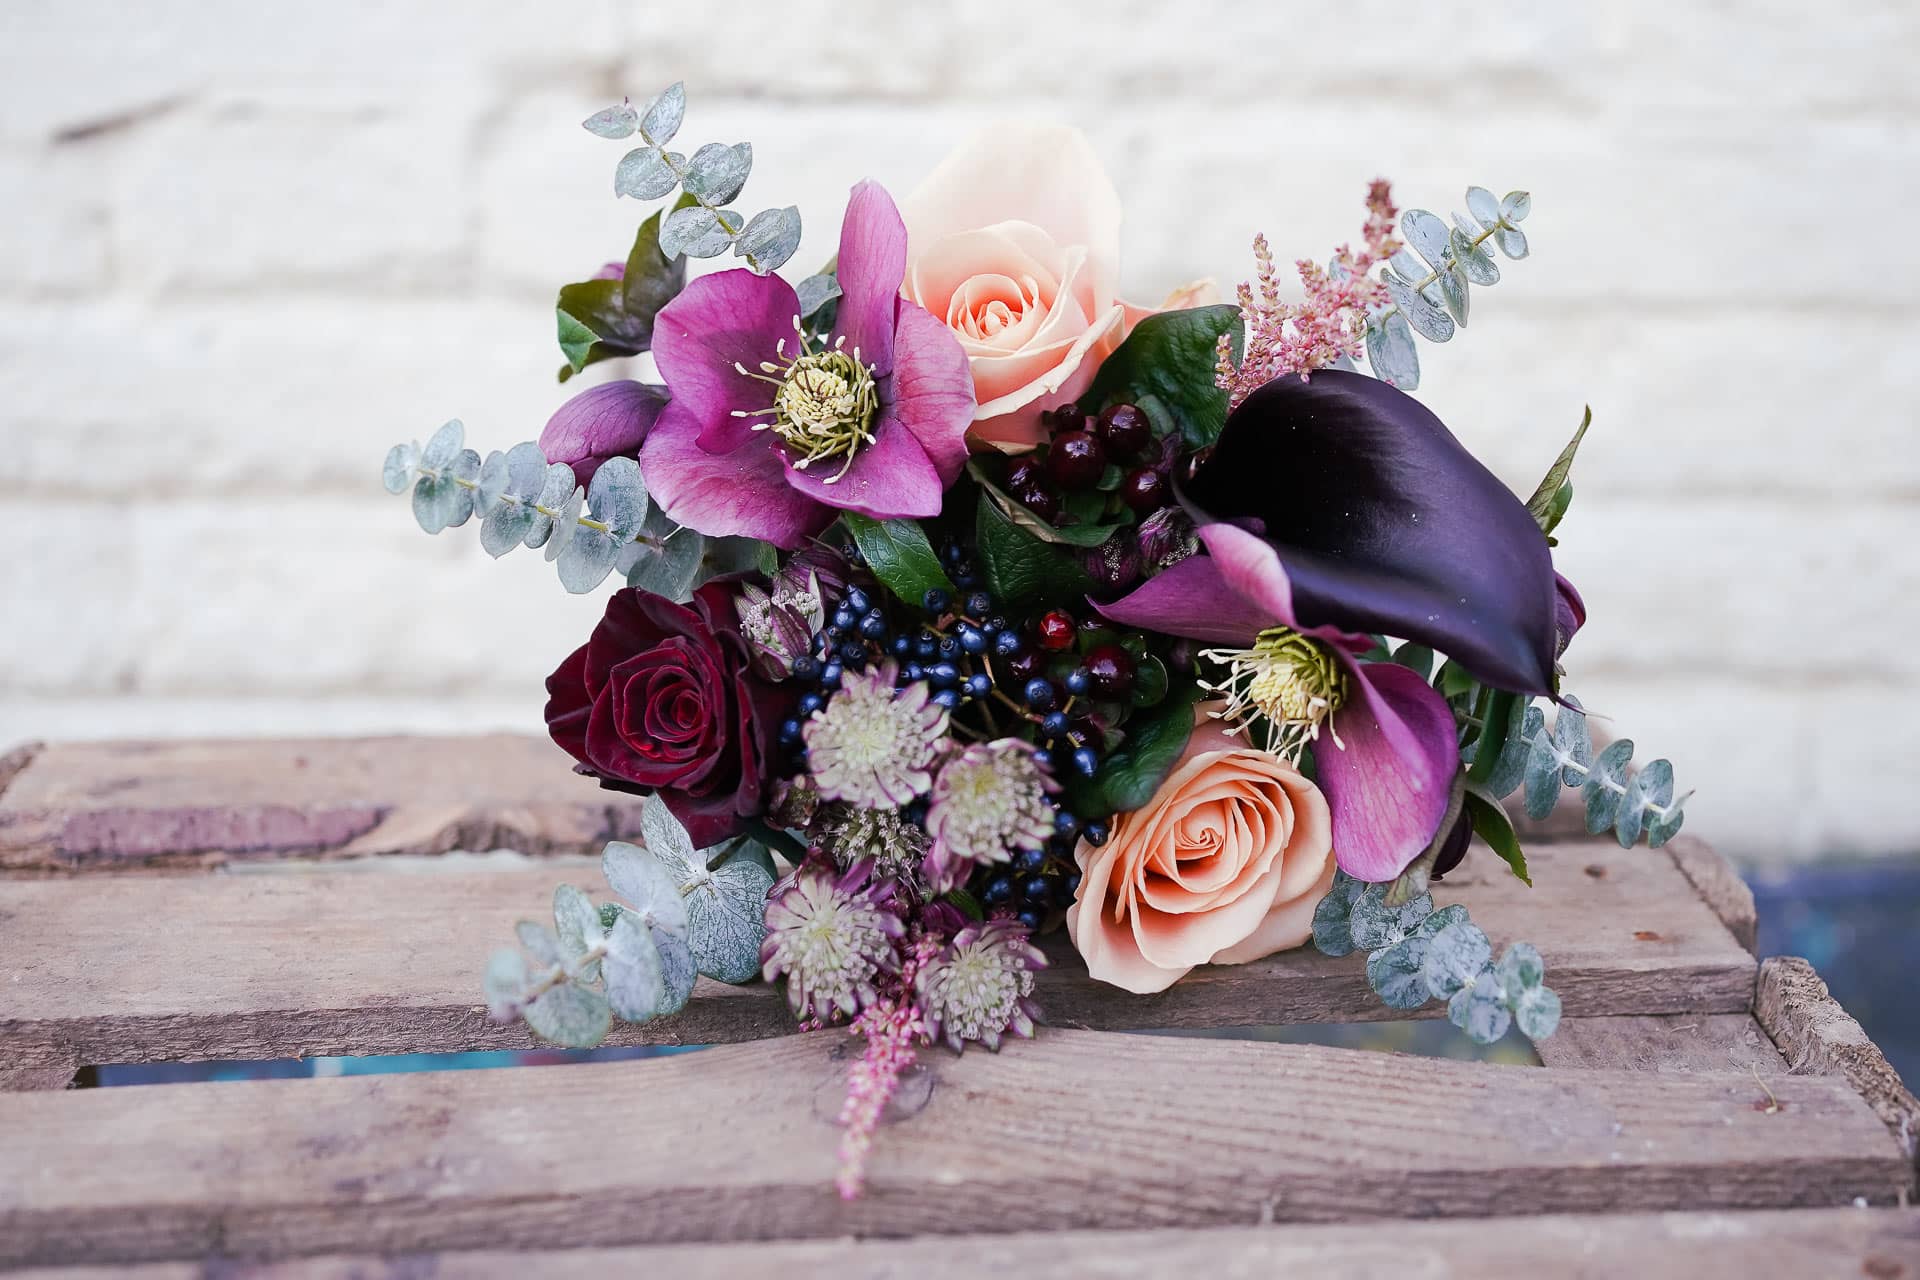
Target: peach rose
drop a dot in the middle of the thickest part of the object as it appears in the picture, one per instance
(1224, 865)
(1014, 241)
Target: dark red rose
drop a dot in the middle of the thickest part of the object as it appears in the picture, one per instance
(662, 698)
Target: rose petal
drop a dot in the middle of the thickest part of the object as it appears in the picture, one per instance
(743, 493)
(1389, 780)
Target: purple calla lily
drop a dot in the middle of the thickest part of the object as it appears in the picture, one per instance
(608, 421)
(768, 438)
(1383, 740)
(1382, 522)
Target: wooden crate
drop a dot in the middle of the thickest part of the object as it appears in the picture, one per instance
(1699, 1113)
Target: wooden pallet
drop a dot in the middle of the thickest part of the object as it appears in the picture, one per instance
(1699, 1113)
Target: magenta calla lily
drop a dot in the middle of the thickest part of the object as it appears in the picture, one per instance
(1386, 757)
(765, 439)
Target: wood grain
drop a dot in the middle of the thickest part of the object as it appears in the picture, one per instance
(1072, 1131)
(1719, 885)
(109, 806)
(1666, 1042)
(1877, 1244)
(376, 960)
(1818, 1036)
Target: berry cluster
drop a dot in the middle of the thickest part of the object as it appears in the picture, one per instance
(1077, 458)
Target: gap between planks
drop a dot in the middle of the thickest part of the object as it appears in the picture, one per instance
(345, 962)
(1070, 1132)
(1877, 1244)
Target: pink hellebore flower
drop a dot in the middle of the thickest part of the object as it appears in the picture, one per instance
(768, 437)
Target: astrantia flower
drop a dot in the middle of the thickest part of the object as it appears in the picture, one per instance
(979, 986)
(769, 435)
(832, 934)
(989, 800)
(872, 744)
(850, 833)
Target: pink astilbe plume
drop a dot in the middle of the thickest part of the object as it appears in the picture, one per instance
(1331, 322)
(894, 1030)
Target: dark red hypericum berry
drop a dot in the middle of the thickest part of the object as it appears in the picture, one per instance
(1111, 669)
(1022, 667)
(1069, 417)
(1076, 461)
(1125, 430)
(1039, 501)
(1054, 631)
(1144, 490)
(1024, 473)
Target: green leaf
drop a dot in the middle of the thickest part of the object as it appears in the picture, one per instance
(1020, 568)
(1495, 724)
(1171, 357)
(1491, 824)
(900, 556)
(1415, 657)
(967, 904)
(601, 319)
(1546, 505)
(1454, 680)
(1129, 776)
(1079, 535)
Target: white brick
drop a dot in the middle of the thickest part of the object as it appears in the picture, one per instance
(55, 220)
(1862, 743)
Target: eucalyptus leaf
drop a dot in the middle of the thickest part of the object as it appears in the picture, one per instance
(553, 495)
(1333, 915)
(1520, 968)
(571, 1016)
(1512, 242)
(1606, 785)
(490, 484)
(636, 978)
(1543, 779)
(587, 559)
(618, 497)
(1454, 958)
(440, 501)
(651, 879)
(672, 569)
(566, 523)
(647, 173)
(664, 114)
(1474, 262)
(698, 232)
(1515, 206)
(444, 445)
(540, 942)
(726, 918)
(614, 122)
(1510, 769)
(1653, 785)
(1455, 293)
(1429, 321)
(1427, 234)
(1573, 740)
(816, 291)
(1537, 1012)
(401, 468)
(1664, 828)
(1479, 1010)
(576, 923)
(1392, 352)
(510, 522)
(1484, 206)
(1395, 973)
(678, 970)
(768, 240)
(505, 983)
(1376, 924)
(716, 172)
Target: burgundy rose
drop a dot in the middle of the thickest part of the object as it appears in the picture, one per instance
(662, 698)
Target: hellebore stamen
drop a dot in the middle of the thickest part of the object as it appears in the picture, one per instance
(1290, 682)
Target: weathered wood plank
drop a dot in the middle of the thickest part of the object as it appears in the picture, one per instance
(1877, 1244)
(1719, 885)
(107, 806)
(1071, 1131)
(1817, 1036)
(152, 968)
(1666, 1042)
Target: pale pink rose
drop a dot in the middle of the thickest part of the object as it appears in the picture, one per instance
(1014, 241)
(1224, 865)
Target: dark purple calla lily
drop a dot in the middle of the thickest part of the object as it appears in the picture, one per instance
(1381, 521)
(608, 421)
(1387, 754)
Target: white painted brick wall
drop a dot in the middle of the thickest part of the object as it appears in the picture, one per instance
(244, 247)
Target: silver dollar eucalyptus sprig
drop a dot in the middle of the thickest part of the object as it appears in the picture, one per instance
(1416, 954)
(684, 913)
(711, 179)
(523, 500)
(1433, 300)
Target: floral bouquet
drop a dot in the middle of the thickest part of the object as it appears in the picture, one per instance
(968, 603)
